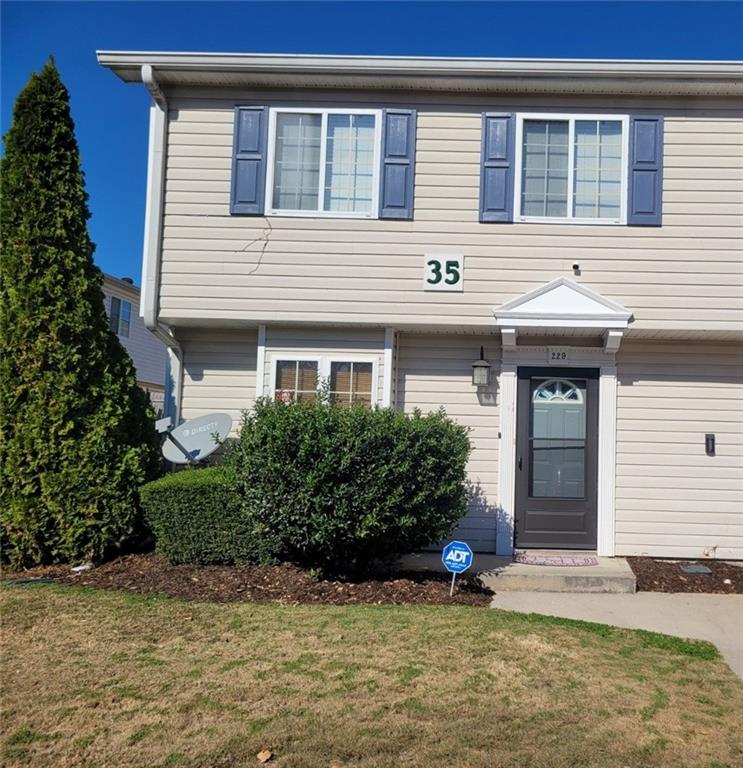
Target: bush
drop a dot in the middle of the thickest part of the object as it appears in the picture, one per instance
(339, 487)
(196, 518)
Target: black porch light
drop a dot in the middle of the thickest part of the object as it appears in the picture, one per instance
(481, 371)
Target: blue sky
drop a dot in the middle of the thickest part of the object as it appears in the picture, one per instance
(111, 117)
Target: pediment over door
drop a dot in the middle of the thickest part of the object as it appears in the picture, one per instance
(563, 303)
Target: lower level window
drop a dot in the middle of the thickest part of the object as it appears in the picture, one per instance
(296, 380)
(350, 383)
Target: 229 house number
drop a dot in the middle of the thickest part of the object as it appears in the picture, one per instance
(443, 273)
(557, 355)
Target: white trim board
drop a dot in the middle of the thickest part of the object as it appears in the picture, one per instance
(387, 369)
(579, 357)
(260, 362)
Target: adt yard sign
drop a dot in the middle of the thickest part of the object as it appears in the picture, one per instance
(457, 558)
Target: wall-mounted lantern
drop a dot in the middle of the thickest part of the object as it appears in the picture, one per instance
(481, 371)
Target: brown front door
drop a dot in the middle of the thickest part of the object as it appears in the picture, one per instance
(556, 458)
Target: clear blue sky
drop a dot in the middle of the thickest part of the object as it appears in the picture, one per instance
(111, 117)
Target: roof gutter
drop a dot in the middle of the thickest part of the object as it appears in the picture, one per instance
(152, 250)
(559, 76)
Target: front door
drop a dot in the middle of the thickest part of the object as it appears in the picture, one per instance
(556, 458)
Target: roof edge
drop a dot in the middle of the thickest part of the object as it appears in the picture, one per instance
(436, 73)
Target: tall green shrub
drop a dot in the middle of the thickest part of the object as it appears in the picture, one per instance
(76, 432)
(338, 487)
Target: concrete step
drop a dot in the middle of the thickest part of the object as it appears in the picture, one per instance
(611, 575)
(501, 574)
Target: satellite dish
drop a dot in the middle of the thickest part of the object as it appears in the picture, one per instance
(195, 439)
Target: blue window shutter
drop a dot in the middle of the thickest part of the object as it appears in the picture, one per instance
(645, 204)
(397, 173)
(497, 159)
(249, 161)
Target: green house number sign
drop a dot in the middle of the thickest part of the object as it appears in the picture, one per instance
(443, 273)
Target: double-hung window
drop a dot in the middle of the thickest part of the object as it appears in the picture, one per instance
(349, 381)
(323, 162)
(571, 168)
(119, 318)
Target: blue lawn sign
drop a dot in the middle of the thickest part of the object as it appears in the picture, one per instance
(457, 558)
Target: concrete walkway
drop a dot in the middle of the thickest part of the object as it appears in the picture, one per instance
(717, 618)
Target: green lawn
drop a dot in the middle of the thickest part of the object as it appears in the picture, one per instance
(106, 679)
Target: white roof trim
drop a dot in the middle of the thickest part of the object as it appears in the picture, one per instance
(562, 303)
(503, 75)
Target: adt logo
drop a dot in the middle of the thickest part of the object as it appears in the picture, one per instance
(457, 557)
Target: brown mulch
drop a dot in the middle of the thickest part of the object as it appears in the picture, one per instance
(150, 574)
(667, 576)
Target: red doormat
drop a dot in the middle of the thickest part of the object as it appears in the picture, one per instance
(570, 561)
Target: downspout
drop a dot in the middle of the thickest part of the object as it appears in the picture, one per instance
(152, 251)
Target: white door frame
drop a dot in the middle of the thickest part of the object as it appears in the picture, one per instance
(578, 357)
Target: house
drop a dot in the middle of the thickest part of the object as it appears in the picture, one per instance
(377, 222)
(148, 353)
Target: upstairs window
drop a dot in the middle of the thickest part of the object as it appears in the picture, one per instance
(571, 168)
(323, 162)
(119, 319)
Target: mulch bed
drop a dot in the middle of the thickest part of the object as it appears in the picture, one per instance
(150, 574)
(667, 576)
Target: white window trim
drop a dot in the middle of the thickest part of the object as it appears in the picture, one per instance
(569, 219)
(323, 368)
(270, 156)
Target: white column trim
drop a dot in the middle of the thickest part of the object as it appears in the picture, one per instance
(507, 465)
(607, 461)
(387, 368)
(260, 362)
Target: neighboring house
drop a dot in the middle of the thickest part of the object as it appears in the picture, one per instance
(148, 353)
(376, 221)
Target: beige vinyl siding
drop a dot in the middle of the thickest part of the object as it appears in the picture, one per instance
(335, 343)
(673, 500)
(218, 372)
(682, 276)
(435, 371)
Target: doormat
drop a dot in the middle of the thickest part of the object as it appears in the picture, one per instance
(570, 561)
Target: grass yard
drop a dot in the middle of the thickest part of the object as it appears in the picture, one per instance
(95, 678)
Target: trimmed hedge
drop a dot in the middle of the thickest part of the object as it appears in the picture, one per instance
(195, 516)
(327, 487)
(339, 487)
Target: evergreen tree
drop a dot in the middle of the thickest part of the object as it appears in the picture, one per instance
(77, 435)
